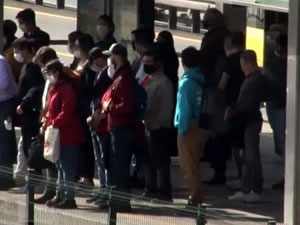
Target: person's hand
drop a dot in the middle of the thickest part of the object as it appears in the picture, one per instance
(20, 110)
(227, 113)
(106, 105)
(89, 120)
(43, 129)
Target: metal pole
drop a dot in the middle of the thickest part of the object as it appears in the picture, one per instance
(173, 18)
(112, 212)
(292, 155)
(39, 2)
(30, 199)
(196, 21)
(201, 215)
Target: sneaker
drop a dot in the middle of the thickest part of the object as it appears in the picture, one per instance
(45, 197)
(238, 197)
(92, 199)
(66, 204)
(253, 197)
(56, 200)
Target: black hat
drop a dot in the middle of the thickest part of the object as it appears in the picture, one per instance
(116, 49)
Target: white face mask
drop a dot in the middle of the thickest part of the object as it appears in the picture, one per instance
(95, 68)
(23, 27)
(52, 79)
(18, 57)
(102, 31)
(77, 54)
(111, 69)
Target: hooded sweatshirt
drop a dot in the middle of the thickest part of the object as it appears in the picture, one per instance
(189, 100)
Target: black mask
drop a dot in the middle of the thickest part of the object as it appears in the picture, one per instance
(149, 69)
(205, 25)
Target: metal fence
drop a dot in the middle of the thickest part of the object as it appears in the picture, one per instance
(19, 209)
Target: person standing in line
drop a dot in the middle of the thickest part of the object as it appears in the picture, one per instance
(191, 139)
(157, 121)
(27, 23)
(105, 32)
(118, 104)
(246, 114)
(61, 113)
(8, 91)
(276, 105)
(98, 126)
(72, 37)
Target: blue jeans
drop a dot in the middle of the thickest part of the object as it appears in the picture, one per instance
(277, 120)
(100, 145)
(67, 167)
(122, 140)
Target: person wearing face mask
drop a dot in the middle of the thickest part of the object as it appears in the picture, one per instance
(30, 89)
(97, 124)
(143, 39)
(61, 113)
(158, 120)
(27, 23)
(105, 32)
(9, 31)
(72, 37)
(118, 104)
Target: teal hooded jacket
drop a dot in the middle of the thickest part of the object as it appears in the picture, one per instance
(189, 100)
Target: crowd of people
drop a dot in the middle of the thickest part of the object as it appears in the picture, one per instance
(128, 119)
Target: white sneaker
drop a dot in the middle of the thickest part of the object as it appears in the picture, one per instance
(238, 197)
(253, 197)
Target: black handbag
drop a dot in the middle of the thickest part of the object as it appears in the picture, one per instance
(36, 158)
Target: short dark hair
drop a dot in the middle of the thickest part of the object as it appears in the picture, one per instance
(167, 36)
(28, 15)
(238, 39)
(144, 35)
(28, 44)
(73, 36)
(189, 57)
(86, 42)
(46, 54)
(9, 28)
(249, 56)
(96, 53)
(108, 20)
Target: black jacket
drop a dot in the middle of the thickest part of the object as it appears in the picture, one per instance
(42, 38)
(107, 42)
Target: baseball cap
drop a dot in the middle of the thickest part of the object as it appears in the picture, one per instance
(116, 49)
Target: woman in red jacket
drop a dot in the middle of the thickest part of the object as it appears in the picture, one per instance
(61, 114)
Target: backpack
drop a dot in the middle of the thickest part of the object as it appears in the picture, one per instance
(140, 102)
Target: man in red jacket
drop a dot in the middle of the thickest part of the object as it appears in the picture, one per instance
(118, 103)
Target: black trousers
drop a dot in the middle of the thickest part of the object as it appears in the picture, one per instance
(157, 164)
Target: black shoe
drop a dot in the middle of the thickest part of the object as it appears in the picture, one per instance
(278, 186)
(216, 181)
(92, 199)
(45, 197)
(66, 204)
(54, 201)
(192, 203)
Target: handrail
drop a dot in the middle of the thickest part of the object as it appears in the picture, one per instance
(186, 4)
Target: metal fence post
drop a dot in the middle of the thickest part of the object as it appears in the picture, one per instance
(39, 2)
(30, 198)
(60, 4)
(196, 21)
(201, 220)
(112, 212)
(173, 18)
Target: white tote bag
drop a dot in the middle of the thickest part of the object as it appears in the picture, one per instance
(52, 144)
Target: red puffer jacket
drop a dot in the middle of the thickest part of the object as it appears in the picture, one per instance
(61, 114)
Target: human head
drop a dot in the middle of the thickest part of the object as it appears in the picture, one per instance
(44, 55)
(26, 20)
(55, 71)
(9, 29)
(97, 60)
(234, 42)
(282, 44)
(118, 55)
(83, 45)
(142, 39)
(166, 37)
(213, 18)
(189, 58)
(72, 37)
(248, 62)
(105, 26)
(152, 62)
(24, 50)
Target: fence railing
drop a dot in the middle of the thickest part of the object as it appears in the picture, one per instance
(60, 4)
(145, 211)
